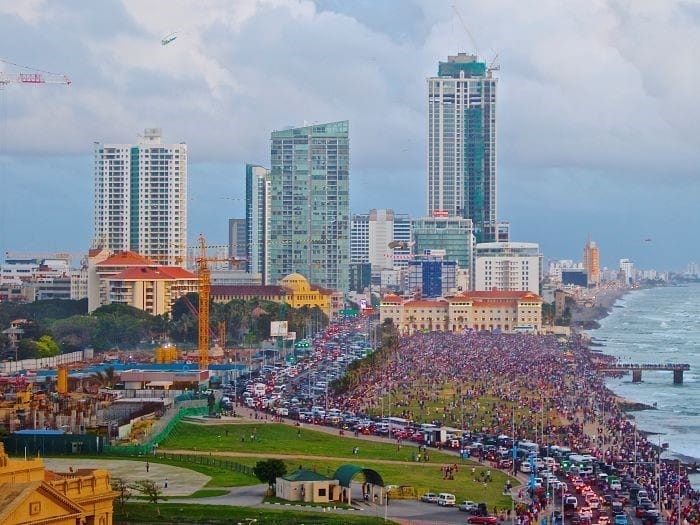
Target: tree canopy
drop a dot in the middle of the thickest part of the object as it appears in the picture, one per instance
(269, 470)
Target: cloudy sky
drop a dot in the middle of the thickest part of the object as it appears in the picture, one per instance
(598, 116)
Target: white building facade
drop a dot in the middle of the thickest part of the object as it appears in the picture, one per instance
(461, 170)
(508, 267)
(141, 198)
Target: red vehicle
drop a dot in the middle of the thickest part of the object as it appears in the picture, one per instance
(483, 520)
(505, 463)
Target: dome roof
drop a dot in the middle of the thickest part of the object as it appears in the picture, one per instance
(296, 282)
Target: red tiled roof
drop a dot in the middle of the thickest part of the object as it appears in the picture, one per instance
(392, 298)
(164, 273)
(422, 303)
(126, 259)
(177, 273)
(498, 294)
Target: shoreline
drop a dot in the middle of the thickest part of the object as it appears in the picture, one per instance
(583, 323)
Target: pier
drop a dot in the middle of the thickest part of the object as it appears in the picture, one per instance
(637, 370)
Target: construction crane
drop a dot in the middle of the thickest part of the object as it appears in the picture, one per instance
(37, 77)
(204, 273)
(466, 29)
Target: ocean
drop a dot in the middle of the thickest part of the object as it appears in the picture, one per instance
(659, 325)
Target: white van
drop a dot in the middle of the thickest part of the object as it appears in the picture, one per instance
(445, 499)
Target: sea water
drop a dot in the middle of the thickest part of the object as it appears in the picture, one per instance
(659, 325)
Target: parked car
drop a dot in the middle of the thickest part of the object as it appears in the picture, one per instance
(468, 506)
(445, 499)
(429, 497)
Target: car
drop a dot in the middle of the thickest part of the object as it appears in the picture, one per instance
(642, 508)
(594, 502)
(468, 506)
(603, 520)
(585, 512)
(429, 497)
(445, 499)
(620, 519)
(483, 520)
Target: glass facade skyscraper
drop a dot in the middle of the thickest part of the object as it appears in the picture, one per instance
(461, 170)
(309, 199)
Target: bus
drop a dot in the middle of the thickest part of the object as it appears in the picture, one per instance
(396, 423)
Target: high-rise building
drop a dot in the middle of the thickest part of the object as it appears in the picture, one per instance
(432, 277)
(141, 198)
(627, 271)
(508, 267)
(382, 238)
(257, 207)
(237, 245)
(309, 219)
(461, 169)
(591, 263)
(451, 236)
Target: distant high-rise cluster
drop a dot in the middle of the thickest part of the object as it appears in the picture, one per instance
(141, 198)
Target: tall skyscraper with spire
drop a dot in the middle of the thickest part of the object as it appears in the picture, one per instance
(461, 170)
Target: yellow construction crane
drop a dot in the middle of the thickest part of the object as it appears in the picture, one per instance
(204, 273)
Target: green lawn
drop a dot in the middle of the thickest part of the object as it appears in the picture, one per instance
(224, 514)
(272, 438)
(276, 438)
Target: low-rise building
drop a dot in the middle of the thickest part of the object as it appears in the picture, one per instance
(294, 289)
(31, 494)
(128, 278)
(506, 312)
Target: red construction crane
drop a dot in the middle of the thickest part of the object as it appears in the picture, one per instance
(32, 78)
(36, 76)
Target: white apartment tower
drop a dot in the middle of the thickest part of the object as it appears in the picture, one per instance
(141, 198)
(461, 170)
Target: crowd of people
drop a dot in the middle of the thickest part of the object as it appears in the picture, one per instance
(536, 387)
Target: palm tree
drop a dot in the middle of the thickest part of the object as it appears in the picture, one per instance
(106, 378)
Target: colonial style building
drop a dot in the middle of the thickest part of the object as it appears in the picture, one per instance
(500, 311)
(294, 289)
(128, 278)
(32, 494)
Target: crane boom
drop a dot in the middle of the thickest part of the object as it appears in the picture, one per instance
(32, 78)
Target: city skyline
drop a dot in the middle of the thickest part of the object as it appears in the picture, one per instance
(593, 134)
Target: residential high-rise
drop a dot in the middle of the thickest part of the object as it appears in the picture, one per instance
(309, 203)
(141, 198)
(257, 205)
(461, 170)
(591, 262)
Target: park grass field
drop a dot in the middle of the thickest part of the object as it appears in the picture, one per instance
(423, 477)
(224, 514)
(324, 453)
(277, 438)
